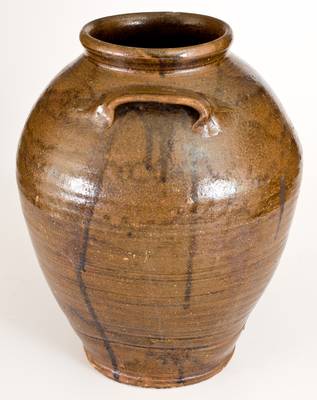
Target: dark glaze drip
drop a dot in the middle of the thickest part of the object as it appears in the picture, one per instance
(166, 149)
(166, 140)
(192, 246)
(81, 266)
(148, 163)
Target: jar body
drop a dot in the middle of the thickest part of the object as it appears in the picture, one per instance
(155, 240)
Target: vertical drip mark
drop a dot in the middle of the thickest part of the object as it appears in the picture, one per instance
(83, 250)
(81, 266)
(166, 145)
(282, 196)
(149, 149)
(181, 379)
(191, 253)
(166, 148)
(192, 247)
(101, 330)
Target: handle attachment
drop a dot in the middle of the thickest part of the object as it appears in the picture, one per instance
(205, 124)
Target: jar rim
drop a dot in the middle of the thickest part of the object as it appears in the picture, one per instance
(114, 40)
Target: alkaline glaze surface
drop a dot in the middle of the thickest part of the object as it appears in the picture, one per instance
(158, 183)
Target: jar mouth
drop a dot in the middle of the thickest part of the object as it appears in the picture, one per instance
(156, 40)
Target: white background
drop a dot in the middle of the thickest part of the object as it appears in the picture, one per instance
(40, 356)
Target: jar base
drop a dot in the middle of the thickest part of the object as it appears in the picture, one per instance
(157, 382)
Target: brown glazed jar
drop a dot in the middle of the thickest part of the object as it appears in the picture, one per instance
(158, 177)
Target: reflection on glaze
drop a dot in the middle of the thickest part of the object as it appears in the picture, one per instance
(211, 128)
(100, 110)
(78, 189)
(209, 189)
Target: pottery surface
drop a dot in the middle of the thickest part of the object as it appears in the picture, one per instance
(158, 177)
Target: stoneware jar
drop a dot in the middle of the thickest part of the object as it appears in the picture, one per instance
(158, 178)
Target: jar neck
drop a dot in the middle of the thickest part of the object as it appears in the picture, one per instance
(162, 41)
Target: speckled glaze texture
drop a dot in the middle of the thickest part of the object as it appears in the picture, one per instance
(158, 183)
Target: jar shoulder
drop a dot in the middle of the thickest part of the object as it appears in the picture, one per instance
(150, 154)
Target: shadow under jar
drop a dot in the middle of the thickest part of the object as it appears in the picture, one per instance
(158, 177)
